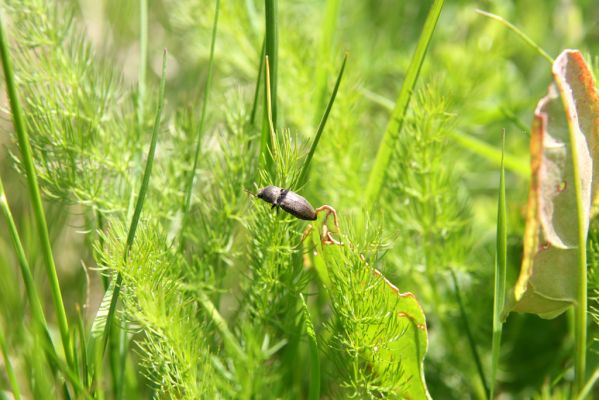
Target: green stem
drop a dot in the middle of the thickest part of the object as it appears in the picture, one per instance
(518, 32)
(314, 393)
(200, 130)
(10, 372)
(500, 274)
(383, 157)
(34, 192)
(580, 318)
(272, 50)
(303, 177)
(143, 60)
(469, 336)
(221, 325)
(257, 89)
(140, 202)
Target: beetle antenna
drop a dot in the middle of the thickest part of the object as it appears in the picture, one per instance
(250, 193)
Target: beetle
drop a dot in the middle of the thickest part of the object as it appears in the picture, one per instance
(289, 201)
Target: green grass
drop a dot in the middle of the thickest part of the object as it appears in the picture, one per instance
(133, 263)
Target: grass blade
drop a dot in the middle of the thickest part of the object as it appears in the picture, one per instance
(314, 393)
(34, 192)
(303, 177)
(383, 157)
(257, 89)
(269, 120)
(500, 274)
(10, 372)
(518, 32)
(143, 60)
(200, 130)
(328, 32)
(469, 336)
(140, 201)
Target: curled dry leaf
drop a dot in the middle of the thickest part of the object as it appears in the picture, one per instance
(547, 283)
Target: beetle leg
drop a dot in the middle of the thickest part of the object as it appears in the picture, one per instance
(329, 210)
(307, 231)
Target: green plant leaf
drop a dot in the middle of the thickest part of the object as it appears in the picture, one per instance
(381, 333)
(548, 281)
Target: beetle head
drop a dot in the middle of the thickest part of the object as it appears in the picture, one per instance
(270, 194)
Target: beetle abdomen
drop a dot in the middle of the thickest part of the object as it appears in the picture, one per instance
(297, 206)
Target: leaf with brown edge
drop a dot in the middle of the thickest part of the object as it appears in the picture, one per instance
(547, 284)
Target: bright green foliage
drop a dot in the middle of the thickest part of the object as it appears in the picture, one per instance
(220, 297)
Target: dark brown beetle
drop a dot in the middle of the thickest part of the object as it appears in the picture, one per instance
(289, 201)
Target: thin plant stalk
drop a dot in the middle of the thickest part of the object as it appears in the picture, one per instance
(10, 372)
(500, 274)
(272, 50)
(34, 192)
(143, 60)
(303, 177)
(580, 308)
(221, 325)
(257, 89)
(328, 32)
(394, 127)
(586, 390)
(200, 130)
(269, 120)
(469, 335)
(314, 391)
(518, 32)
(140, 201)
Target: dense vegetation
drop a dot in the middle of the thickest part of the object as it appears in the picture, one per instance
(151, 271)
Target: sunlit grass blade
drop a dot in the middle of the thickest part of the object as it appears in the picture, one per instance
(140, 201)
(221, 325)
(383, 157)
(34, 192)
(518, 32)
(83, 347)
(200, 130)
(257, 89)
(586, 390)
(314, 391)
(303, 177)
(500, 274)
(482, 149)
(143, 60)
(469, 336)
(270, 113)
(328, 32)
(10, 372)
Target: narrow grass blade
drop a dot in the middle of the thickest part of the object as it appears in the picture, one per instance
(30, 288)
(221, 325)
(469, 336)
(518, 32)
(83, 347)
(586, 390)
(34, 192)
(140, 201)
(257, 89)
(500, 274)
(314, 393)
(272, 52)
(143, 61)
(200, 130)
(303, 177)
(383, 157)
(269, 120)
(580, 309)
(10, 372)
(490, 153)
(328, 32)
